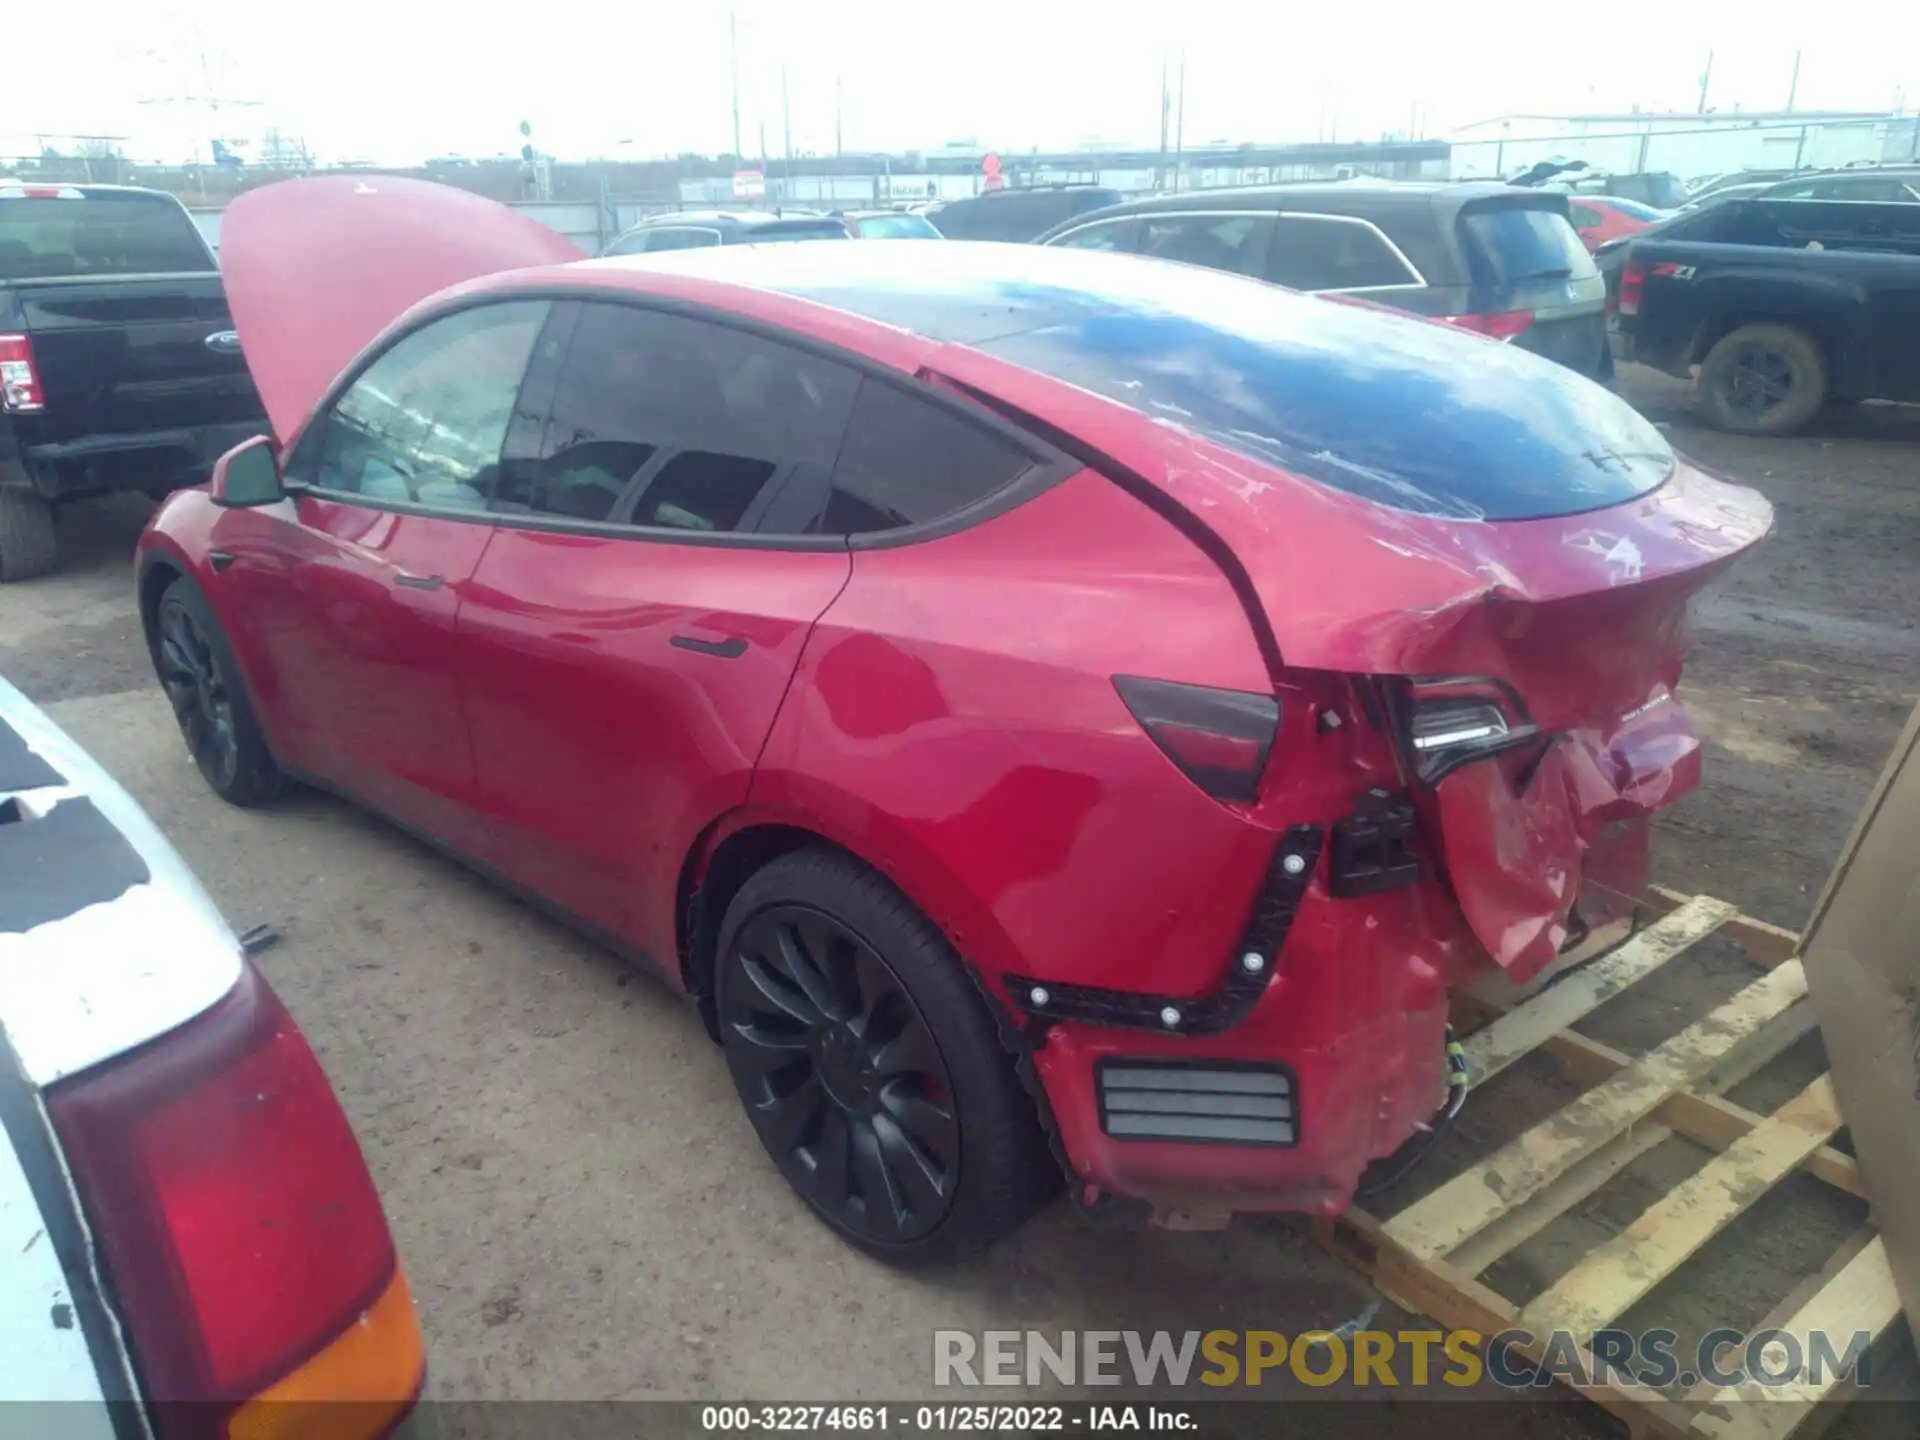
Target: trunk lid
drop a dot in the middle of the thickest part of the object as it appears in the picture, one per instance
(1524, 256)
(316, 269)
(1409, 501)
(118, 356)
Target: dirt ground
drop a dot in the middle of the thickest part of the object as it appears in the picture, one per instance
(584, 1213)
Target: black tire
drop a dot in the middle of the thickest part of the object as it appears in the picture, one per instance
(1763, 380)
(895, 1114)
(203, 684)
(26, 534)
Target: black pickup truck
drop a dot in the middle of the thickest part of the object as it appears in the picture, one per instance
(119, 365)
(1784, 305)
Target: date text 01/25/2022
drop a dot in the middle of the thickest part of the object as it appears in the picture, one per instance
(943, 1419)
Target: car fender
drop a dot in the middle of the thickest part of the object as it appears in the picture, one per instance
(790, 800)
(1831, 308)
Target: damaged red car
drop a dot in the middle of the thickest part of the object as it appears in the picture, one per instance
(1053, 712)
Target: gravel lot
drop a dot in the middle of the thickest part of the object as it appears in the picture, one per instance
(582, 1209)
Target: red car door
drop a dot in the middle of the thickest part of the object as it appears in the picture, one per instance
(628, 638)
(352, 588)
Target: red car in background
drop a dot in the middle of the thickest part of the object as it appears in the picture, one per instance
(1039, 704)
(1600, 218)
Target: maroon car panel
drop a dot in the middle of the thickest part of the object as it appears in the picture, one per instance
(618, 693)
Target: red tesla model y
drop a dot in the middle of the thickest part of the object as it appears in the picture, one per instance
(1052, 711)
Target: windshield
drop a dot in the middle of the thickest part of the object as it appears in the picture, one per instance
(1511, 244)
(896, 227)
(47, 238)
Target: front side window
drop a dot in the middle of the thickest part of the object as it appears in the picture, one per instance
(1237, 243)
(424, 423)
(1106, 235)
(669, 421)
(1325, 252)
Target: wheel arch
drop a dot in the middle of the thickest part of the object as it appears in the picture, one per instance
(737, 844)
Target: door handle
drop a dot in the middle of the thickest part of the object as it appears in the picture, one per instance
(219, 559)
(418, 582)
(731, 649)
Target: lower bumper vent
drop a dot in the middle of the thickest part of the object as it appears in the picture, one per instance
(1215, 1104)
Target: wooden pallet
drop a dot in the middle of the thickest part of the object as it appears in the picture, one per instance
(1426, 1256)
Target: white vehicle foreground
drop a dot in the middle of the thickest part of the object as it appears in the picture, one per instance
(190, 1241)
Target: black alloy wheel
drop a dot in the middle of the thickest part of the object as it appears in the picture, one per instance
(191, 677)
(1764, 379)
(841, 1074)
(1756, 381)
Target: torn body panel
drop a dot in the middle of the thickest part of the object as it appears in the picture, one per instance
(1581, 618)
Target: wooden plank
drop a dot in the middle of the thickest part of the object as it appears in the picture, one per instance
(1766, 945)
(1861, 1298)
(1524, 1221)
(1459, 1302)
(1579, 993)
(1614, 1276)
(1431, 1227)
(1707, 1119)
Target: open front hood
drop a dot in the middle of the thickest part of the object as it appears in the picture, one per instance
(315, 269)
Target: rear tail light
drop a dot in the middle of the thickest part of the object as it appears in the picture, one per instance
(1450, 723)
(1219, 739)
(1502, 326)
(20, 389)
(239, 1228)
(1633, 285)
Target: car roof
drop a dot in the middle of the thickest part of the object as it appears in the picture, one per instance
(1850, 172)
(1379, 201)
(747, 219)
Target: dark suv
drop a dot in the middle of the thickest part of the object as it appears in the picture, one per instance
(1497, 259)
(689, 230)
(1020, 214)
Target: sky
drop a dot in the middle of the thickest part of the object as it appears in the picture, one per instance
(394, 83)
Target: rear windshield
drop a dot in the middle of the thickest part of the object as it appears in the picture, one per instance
(797, 230)
(1511, 244)
(896, 227)
(1634, 208)
(47, 238)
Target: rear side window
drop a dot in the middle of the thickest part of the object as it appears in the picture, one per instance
(798, 230)
(1585, 217)
(665, 420)
(909, 461)
(673, 238)
(1512, 244)
(1236, 243)
(48, 238)
(1331, 252)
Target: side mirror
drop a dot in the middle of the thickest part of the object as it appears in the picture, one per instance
(248, 474)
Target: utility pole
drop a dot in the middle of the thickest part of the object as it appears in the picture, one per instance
(839, 148)
(786, 125)
(733, 57)
(1706, 75)
(1793, 85)
(1180, 123)
(1166, 118)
